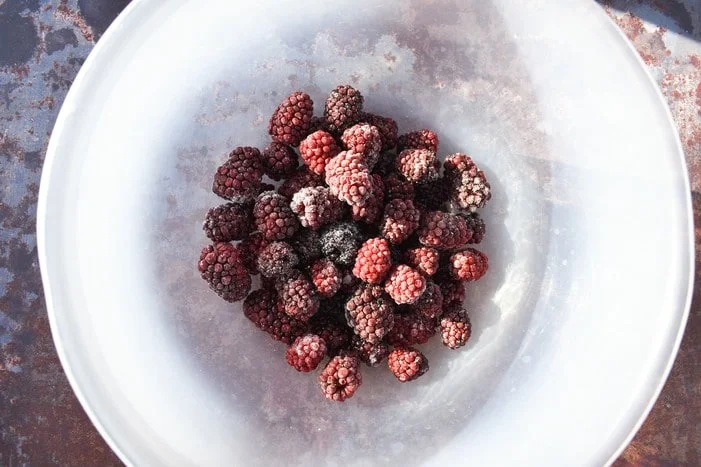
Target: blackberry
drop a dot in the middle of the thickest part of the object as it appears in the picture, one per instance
(365, 140)
(423, 259)
(240, 176)
(476, 225)
(372, 210)
(261, 308)
(298, 297)
(230, 221)
(348, 178)
(468, 265)
(471, 190)
(306, 352)
(292, 119)
(399, 221)
(397, 188)
(443, 230)
(307, 245)
(370, 313)
(407, 364)
(430, 304)
(420, 139)
(343, 108)
(279, 160)
(222, 267)
(370, 354)
(300, 178)
(455, 328)
(405, 285)
(411, 329)
(326, 277)
(387, 127)
(273, 216)
(373, 261)
(418, 165)
(317, 149)
(316, 207)
(340, 243)
(341, 377)
(278, 259)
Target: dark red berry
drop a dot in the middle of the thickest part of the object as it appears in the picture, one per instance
(405, 285)
(399, 221)
(261, 307)
(292, 119)
(370, 313)
(443, 230)
(316, 207)
(273, 216)
(471, 190)
(372, 210)
(398, 188)
(298, 297)
(455, 328)
(306, 352)
(365, 140)
(300, 178)
(430, 304)
(279, 160)
(317, 150)
(468, 265)
(239, 178)
(341, 377)
(343, 108)
(419, 139)
(221, 265)
(423, 259)
(418, 165)
(277, 259)
(411, 329)
(387, 127)
(476, 225)
(349, 179)
(407, 364)
(370, 354)
(326, 277)
(230, 221)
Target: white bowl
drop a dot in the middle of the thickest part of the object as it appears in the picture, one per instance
(589, 232)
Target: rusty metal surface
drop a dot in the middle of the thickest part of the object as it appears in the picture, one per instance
(43, 43)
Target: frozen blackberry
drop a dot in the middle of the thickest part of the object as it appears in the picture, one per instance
(407, 364)
(343, 108)
(326, 277)
(430, 304)
(411, 329)
(387, 127)
(372, 210)
(273, 216)
(298, 297)
(455, 327)
(443, 230)
(300, 178)
(221, 265)
(340, 243)
(373, 261)
(261, 308)
(277, 260)
(349, 179)
(333, 330)
(292, 119)
(397, 188)
(399, 221)
(279, 160)
(476, 225)
(307, 245)
(365, 140)
(370, 313)
(468, 265)
(418, 165)
(370, 354)
(470, 188)
(240, 176)
(230, 221)
(316, 207)
(306, 352)
(405, 285)
(341, 377)
(317, 149)
(419, 139)
(433, 195)
(453, 292)
(423, 259)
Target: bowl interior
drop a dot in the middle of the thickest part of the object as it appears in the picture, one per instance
(569, 326)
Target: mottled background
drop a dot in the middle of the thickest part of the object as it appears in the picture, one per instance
(43, 44)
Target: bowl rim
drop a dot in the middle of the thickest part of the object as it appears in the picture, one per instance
(130, 16)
